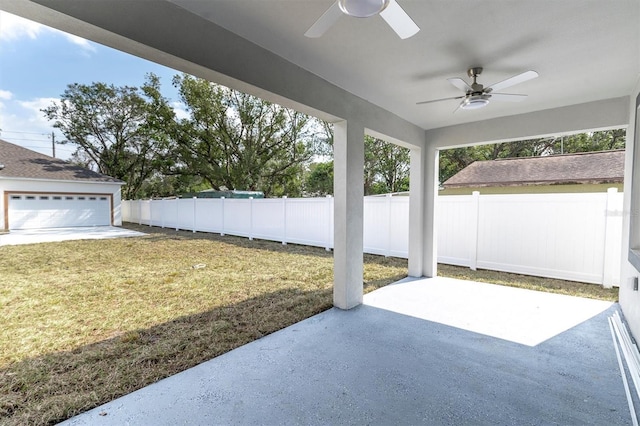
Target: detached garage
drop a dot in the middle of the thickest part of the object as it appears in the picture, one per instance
(38, 191)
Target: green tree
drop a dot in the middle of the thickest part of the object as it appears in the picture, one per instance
(319, 180)
(587, 142)
(165, 185)
(237, 141)
(454, 160)
(117, 129)
(386, 165)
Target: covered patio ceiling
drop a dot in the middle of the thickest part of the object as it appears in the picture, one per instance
(584, 50)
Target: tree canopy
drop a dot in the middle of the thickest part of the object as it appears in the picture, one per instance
(231, 140)
(454, 160)
(115, 129)
(386, 167)
(234, 140)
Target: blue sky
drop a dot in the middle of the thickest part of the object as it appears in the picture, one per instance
(36, 65)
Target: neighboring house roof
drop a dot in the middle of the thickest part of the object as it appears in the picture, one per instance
(586, 167)
(24, 163)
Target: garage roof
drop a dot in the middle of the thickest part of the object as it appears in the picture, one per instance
(586, 167)
(24, 163)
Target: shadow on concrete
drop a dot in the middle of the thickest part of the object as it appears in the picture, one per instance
(372, 366)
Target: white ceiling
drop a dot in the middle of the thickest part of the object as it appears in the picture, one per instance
(584, 50)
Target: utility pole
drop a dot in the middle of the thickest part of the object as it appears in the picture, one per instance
(53, 144)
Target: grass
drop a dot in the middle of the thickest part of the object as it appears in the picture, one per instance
(84, 322)
(549, 285)
(87, 321)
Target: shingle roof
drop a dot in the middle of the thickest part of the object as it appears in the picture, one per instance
(587, 167)
(20, 162)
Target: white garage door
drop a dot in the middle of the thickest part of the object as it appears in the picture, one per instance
(33, 211)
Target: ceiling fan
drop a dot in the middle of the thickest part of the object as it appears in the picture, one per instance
(390, 11)
(477, 96)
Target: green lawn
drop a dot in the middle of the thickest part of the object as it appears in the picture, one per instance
(84, 322)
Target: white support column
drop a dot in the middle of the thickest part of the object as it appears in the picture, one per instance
(348, 184)
(416, 212)
(423, 190)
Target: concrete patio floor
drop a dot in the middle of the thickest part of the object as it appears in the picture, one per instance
(422, 351)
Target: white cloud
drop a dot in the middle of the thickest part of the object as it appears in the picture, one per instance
(33, 114)
(13, 27)
(5, 95)
(24, 124)
(86, 45)
(180, 110)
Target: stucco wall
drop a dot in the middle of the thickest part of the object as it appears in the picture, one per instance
(630, 299)
(33, 185)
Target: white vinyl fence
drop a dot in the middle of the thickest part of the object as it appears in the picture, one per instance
(568, 236)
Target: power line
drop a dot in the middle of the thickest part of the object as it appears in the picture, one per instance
(58, 148)
(27, 140)
(24, 133)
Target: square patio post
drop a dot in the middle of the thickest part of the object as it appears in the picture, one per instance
(423, 187)
(348, 212)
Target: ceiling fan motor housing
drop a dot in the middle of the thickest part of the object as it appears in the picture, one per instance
(473, 72)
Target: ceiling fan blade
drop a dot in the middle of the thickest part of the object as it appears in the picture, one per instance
(325, 22)
(507, 97)
(460, 84)
(439, 100)
(399, 21)
(512, 81)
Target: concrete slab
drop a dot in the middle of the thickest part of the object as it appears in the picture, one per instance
(33, 236)
(377, 365)
(521, 316)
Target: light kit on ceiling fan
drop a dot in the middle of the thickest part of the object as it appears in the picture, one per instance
(477, 96)
(389, 10)
(362, 8)
(475, 102)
